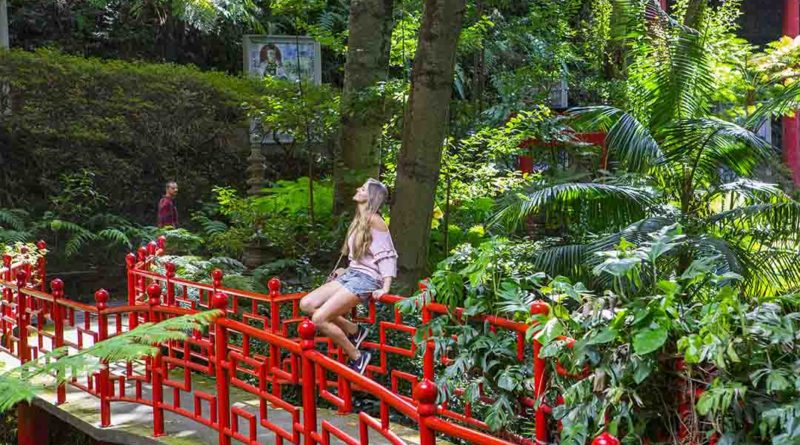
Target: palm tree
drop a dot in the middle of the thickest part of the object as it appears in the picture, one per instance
(676, 162)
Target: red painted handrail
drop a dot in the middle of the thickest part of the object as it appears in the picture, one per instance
(261, 344)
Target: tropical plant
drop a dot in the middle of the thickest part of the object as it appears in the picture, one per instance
(640, 364)
(676, 162)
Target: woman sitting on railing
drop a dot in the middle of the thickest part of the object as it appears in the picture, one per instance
(372, 265)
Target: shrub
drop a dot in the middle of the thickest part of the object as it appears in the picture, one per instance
(135, 124)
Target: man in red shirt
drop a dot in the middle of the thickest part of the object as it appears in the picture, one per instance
(167, 210)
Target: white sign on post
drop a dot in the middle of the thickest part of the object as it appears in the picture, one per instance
(289, 58)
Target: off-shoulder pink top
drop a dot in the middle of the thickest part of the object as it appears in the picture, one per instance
(381, 259)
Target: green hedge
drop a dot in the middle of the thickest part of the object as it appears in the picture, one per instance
(135, 125)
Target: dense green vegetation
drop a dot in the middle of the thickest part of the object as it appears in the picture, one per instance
(672, 265)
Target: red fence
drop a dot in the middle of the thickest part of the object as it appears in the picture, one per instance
(261, 345)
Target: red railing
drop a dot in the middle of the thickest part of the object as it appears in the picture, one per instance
(261, 345)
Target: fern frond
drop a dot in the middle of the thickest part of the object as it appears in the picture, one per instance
(16, 385)
(115, 235)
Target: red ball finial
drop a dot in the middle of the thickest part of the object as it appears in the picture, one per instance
(142, 252)
(170, 269)
(21, 277)
(219, 301)
(56, 285)
(101, 298)
(274, 286)
(539, 307)
(7, 260)
(605, 439)
(41, 245)
(423, 285)
(216, 278)
(151, 248)
(425, 392)
(161, 242)
(154, 293)
(130, 260)
(307, 332)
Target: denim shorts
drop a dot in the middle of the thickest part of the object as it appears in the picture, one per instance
(359, 283)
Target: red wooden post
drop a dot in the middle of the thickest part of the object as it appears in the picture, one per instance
(307, 332)
(154, 299)
(525, 163)
(104, 385)
(8, 296)
(274, 286)
(133, 316)
(220, 301)
(216, 278)
(42, 246)
(57, 290)
(33, 425)
(539, 376)
(425, 394)
(22, 317)
(427, 358)
(791, 128)
(161, 243)
(170, 274)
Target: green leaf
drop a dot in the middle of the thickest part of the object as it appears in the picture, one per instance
(641, 371)
(606, 335)
(648, 340)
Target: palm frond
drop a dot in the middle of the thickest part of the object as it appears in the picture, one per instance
(726, 257)
(629, 142)
(615, 204)
(778, 220)
(786, 101)
(565, 260)
(706, 144)
(682, 82)
(579, 260)
(750, 189)
(771, 271)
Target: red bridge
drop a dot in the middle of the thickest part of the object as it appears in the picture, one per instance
(259, 374)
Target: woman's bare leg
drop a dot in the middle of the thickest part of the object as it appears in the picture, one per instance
(340, 303)
(316, 298)
(349, 327)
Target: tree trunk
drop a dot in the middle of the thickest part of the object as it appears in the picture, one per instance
(358, 156)
(424, 132)
(694, 13)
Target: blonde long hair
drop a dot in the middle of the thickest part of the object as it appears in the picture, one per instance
(360, 228)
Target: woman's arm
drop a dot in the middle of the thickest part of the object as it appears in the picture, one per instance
(387, 284)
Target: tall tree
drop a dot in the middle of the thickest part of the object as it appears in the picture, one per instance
(426, 118)
(358, 155)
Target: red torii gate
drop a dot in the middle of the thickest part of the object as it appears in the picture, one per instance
(525, 162)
